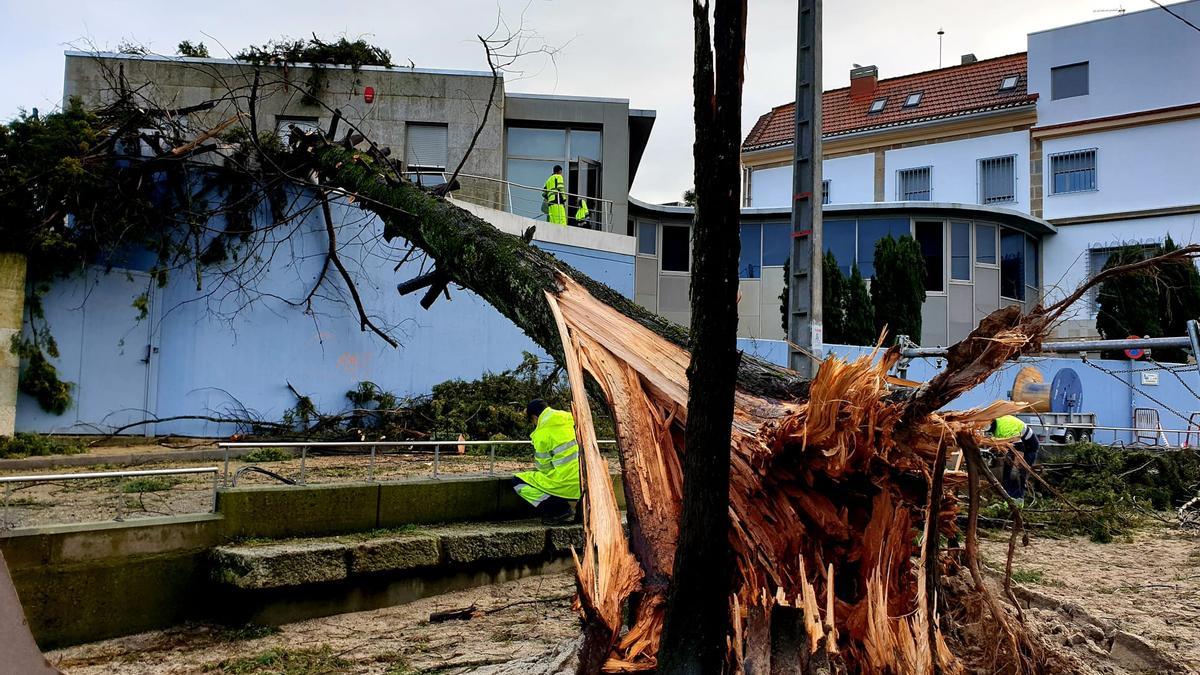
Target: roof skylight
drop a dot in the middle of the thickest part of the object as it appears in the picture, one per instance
(912, 100)
(877, 105)
(1009, 82)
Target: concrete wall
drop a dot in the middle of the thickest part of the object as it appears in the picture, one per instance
(1167, 161)
(851, 180)
(454, 98)
(211, 353)
(610, 115)
(12, 308)
(955, 165)
(1137, 61)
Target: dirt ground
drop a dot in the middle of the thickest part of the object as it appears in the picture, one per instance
(1147, 584)
(1144, 586)
(393, 641)
(77, 501)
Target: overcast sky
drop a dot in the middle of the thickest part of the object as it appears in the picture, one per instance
(635, 49)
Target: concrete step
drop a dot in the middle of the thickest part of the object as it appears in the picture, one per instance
(289, 563)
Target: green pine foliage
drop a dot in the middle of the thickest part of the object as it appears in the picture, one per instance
(860, 311)
(785, 296)
(317, 53)
(898, 289)
(1153, 303)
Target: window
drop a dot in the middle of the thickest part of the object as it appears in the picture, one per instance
(1012, 264)
(930, 237)
(1069, 81)
(776, 244)
(647, 234)
(913, 185)
(985, 244)
(838, 237)
(877, 106)
(1073, 172)
(675, 245)
(283, 125)
(960, 251)
(871, 230)
(531, 153)
(1031, 265)
(1009, 83)
(425, 147)
(750, 262)
(825, 191)
(997, 180)
(912, 100)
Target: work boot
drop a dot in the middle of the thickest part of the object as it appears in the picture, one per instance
(563, 518)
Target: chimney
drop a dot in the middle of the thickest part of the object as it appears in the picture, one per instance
(863, 81)
(968, 58)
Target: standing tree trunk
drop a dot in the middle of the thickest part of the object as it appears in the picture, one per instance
(697, 614)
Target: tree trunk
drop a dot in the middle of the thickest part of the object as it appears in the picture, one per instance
(696, 624)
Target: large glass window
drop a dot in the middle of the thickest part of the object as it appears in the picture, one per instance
(647, 238)
(1073, 171)
(931, 239)
(533, 152)
(960, 251)
(750, 262)
(838, 237)
(1012, 264)
(532, 173)
(1068, 81)
(871, 230)
(543, 143)
(777, 244)
(1031, 263)
(675, 245)
(585, 144)
(985, 244)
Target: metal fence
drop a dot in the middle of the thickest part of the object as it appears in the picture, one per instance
(432, 448)
(527, 200)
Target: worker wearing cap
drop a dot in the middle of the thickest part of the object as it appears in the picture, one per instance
(554, 192)
(552, 486)
(1009, 428)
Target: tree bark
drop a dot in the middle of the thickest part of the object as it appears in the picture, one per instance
(697, 614)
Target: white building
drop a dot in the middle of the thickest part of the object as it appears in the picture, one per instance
(1094, 132)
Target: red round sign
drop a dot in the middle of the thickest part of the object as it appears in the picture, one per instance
(369, 94)
(1136, 353)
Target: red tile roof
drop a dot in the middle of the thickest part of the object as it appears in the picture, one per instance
(946, 92)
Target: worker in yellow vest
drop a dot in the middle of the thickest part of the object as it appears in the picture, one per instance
(581, 214)
(1024, 441)
(554, 484)
(554, 193)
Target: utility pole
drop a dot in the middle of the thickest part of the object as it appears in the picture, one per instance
(804, 323)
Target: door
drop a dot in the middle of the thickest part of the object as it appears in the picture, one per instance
(586, 185)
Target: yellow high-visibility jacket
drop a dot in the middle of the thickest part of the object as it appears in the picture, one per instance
(556, 454)
(1008, 427)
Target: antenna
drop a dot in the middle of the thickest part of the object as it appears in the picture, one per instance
(940, 34)
(1119, 10)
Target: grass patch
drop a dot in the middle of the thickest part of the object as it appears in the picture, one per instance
(283, 661)
(268, 455)
(250, 631)
(1027, 576)
(22, 445)
(148, 484)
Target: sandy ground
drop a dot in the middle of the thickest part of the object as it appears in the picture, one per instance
(1148, 585)
(397, 640)
(77, 501)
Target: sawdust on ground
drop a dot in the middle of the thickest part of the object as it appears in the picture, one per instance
(393, 641)
(1147, 584)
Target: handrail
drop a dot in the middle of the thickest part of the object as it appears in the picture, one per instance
(8, 481)
(597, 200)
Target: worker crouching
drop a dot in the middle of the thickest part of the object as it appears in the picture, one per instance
(554, 484)
(1025, 442)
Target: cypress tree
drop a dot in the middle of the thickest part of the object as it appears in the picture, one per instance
(833, 301)
(898, 289)
(1129, 303)
(1179, 292)
(860, 312)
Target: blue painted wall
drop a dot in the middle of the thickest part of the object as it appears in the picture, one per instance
(1112, 389)
(219, 351)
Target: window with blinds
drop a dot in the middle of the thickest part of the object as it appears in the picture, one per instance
(425, 147)
(825, 191)
(997, 180)
(913, 185)
(1073, 172)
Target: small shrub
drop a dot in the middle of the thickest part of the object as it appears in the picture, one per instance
(1023, 576)
(36, 445)
(148, 484)
(268, 455)
(250, 631)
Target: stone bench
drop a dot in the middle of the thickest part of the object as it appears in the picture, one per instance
(287, 563)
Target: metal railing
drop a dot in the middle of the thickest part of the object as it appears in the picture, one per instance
(416, 447)
(1181, 435)
(525, 200)
(9, 481)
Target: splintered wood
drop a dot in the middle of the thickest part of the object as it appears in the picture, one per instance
(827, 498)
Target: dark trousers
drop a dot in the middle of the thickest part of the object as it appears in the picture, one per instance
(1013, 478)
(551, 506)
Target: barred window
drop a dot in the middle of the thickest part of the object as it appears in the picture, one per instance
(1073, 171)
(913, 185)
(997, 180)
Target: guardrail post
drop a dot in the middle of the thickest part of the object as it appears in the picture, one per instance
(371, 471)
(492, 460)
(437, 457)
(216, 482)
(226, 481)
(303, 454)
